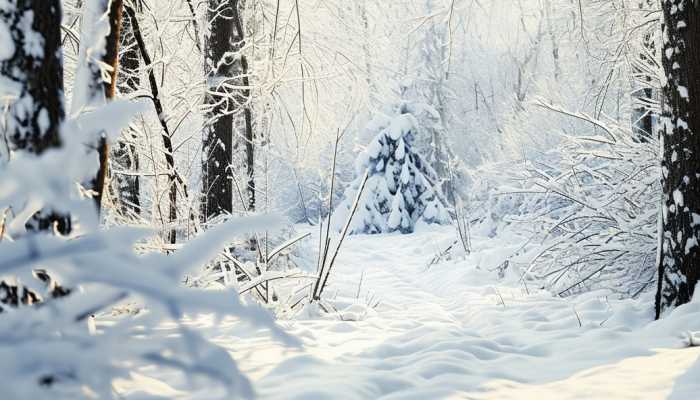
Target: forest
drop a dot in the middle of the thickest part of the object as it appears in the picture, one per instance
(349, 199)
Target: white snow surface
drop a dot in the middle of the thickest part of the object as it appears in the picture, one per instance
(453, 331)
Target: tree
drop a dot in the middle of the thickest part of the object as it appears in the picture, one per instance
(402, 188)
(99, 47)
(31, 67)
(242, 101)
(228, 120)
(679, 254)
(218, 130)
(125, 181)
(31, 72)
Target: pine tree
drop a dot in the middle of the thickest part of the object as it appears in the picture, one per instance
(402, 189)
(679, 254)
(243, 122)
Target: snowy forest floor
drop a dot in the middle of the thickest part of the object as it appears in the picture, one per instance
(454, 331)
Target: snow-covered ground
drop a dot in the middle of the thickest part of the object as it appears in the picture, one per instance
(454, 331)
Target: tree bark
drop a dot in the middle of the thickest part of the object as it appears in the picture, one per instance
(32, 73)
(217, 177)
(243, 101)
(679, 254)
(127, 186)
(35, 114)
(111, 58)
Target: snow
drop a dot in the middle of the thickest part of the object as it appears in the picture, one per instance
(33, 41)
(7, 46)
(678, 198)
(526, 307)
(401, 330)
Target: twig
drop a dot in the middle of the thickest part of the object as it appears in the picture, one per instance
(320, 286)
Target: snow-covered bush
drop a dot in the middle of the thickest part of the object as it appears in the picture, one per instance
(589, 207)
(604, 231)
(402, 189)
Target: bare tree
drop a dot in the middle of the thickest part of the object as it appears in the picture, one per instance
(217, 179)
(110, 57)
(244, 123)
(174, 179)
(228, 119)
(125, 181)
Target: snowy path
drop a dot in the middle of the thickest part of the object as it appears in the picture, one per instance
(449, 333)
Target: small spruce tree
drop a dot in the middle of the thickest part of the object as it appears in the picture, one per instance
(402, 189)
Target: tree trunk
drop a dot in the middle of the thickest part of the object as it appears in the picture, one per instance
(35, 114)
(126, 183)
(32, 74)
(679, 254)
(217, 179)
(97, 46)
(243, 101)
(228, 131)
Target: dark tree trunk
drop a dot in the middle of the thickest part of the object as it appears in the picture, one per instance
(243, 101)
(228, 126)
(679, 254)
(217, 177)
(125, 182)
(35, 113)
(34, 117)
(38, 75)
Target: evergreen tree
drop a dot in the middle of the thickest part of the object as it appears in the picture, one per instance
(402, 189)
(679, 254)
